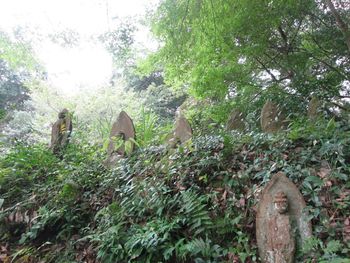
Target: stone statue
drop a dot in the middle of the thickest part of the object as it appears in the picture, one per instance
(235, 121)
(313, 108)
(122, 132)
(182, 132)
(61, 131)
(272, 118)
(281, 222)
(280, 247)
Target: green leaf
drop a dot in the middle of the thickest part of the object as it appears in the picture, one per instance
(317, 181)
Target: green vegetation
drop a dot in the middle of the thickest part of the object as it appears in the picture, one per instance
(17, 54)
(196, 202)
(190, 204)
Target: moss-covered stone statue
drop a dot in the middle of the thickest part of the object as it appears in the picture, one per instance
(182, 132)
(121, 139)
(235, 121)
(272, 118)
(313, 110)
(61, 131)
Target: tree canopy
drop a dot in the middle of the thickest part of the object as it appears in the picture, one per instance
(248, 51)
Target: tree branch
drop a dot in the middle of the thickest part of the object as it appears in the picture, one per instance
(285, 39)
(267, 70)
(326, 64)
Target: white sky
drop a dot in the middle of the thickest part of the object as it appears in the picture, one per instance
(71, 69)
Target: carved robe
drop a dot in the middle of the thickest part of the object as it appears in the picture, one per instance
(280, 240)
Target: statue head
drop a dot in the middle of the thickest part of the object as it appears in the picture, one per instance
(63, 113)
(280, 202)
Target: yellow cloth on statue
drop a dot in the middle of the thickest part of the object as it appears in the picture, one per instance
(63, 128)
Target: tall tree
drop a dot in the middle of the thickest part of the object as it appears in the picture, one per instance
(251, 49)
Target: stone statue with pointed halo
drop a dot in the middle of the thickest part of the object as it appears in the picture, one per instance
(182, 132)
(122, 132)
(272, 119)
(235, 121)
(313, 110)
(61, 131)
(281, 222)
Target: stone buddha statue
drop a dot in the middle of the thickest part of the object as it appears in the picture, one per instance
(61, 131)
(282, 225)
(280, 247)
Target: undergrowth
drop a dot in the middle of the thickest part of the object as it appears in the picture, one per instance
(196, 203)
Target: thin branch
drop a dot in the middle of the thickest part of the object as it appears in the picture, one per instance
(273, 59)
(320, 20)
(327, 53)
(339, 105)
(267, 70)
(296, 32)
(326, 63)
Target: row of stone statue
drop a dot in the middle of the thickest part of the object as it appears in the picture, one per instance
(122, 134)
(272, 118)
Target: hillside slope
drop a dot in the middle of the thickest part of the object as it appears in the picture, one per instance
(196, 203)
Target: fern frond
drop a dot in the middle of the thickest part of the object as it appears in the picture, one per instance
(194, 210)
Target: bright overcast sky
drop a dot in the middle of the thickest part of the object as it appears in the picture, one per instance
(69, 69)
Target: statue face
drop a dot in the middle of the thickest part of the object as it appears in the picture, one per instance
(62, 114)
(281, 206)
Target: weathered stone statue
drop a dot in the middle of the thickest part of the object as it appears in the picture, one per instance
(122, 132)
(272, 118)
(281, 223)
(313, 108)
(280, 245)
(61, 131)
(235, 121)
(182, 132)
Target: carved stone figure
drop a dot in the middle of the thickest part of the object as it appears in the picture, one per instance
(61, 131)
(272, 119)
(313, 108)
(280, 246)
(122, 132)
(235, 121)
(182, 132)
(281, 223)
